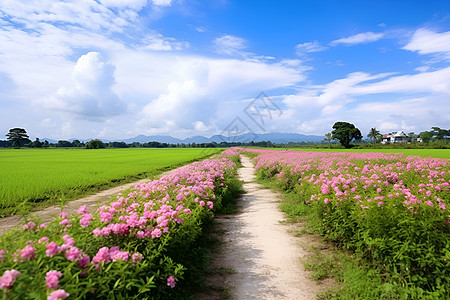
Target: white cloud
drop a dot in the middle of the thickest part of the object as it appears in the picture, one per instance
(91, 95)
(157, 42)
(134, 4)
(425, 41)
(162, 2)
(309, 47)
(229, 45)
(360, 38)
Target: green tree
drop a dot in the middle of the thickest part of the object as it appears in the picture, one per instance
(37, 143)
(95, 144)
(373, 135)
(345, 133)
(426, 136)
(16, 135)
(328, 138)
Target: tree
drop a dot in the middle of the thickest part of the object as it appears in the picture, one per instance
(426, 136)
(16, 135)
(95, 144)
(345, 133)
(374, 134)
(328, 138)
(37, 143)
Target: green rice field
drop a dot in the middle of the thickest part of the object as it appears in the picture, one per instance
(30, 177)
(436, 153)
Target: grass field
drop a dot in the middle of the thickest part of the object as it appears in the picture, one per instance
(31, 177)
(437, 153)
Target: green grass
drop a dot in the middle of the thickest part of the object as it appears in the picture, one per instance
(436, 153)
(31, 177)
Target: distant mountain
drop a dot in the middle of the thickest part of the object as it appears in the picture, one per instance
(274, 137)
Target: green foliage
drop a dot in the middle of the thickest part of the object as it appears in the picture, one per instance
(92, 144)
(17, 135)
(345, 132)
(404, 252)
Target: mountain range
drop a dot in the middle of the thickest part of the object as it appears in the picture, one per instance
(274, 137)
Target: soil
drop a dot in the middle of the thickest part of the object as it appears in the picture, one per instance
(258, 258)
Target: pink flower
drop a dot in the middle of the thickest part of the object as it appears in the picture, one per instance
(156, 233)
(63, 215)
(210, 204)
(64, 222)
(28, 252)
(86, 220)
(1, 255)
(202, 203)
(326, 200)
(136, 257)
(84, 260)
(122, 255)
(140, 234)
(83, 210)
(187, 211)
(52, 279)
(8, 278)
(58, 295)
(68, 241)
(171, 282)
(43, 239)
(73, 253)
(380, 203)
(102, 255)
(428, 193)
(52, 249)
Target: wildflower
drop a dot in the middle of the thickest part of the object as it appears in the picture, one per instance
(64, 222)
(73, 253)
(28, 252)
(102, 255)
(202, 203)
(83, 210)
(83, 261)
(326, 200)
(43, 239)
(86, 220)
(8, 278)
(136, 257)
(63, 215)
(171, 282)
(58, 295)
(156, 233)
(52, 279)
(52, 249)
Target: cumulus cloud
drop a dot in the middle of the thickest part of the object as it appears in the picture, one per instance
(309, 47)
(360, 38)
(229, 45)
(91, 95)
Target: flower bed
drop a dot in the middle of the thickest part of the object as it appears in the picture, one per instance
(389, 209)
(133, 247)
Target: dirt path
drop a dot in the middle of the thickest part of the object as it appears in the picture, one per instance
(92, 201)
(259, 258)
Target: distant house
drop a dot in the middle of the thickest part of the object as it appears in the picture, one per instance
(395, 138)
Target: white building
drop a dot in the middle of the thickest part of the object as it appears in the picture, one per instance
(395, 137)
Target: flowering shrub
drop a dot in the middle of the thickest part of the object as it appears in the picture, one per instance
(389, 209)
(130, 248)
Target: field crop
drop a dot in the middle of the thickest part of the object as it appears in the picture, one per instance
(138, 246)
(388, 209)
(31, 176)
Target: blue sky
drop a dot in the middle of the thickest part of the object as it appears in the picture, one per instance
(118, 68)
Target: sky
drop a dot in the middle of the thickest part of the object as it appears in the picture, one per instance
(114, 69)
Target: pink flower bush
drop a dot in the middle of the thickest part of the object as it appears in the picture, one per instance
(145, 217)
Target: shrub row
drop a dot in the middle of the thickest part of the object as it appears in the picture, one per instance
(137, 246)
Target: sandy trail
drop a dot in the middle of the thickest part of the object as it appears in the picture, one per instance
(261, 258)
(47, 214)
